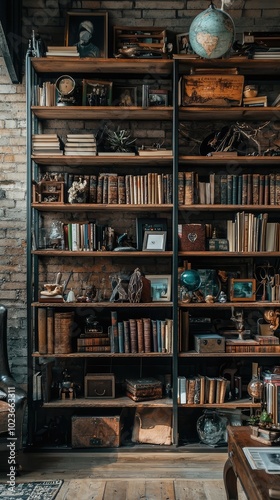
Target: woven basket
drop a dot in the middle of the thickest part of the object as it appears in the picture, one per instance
(62, 332)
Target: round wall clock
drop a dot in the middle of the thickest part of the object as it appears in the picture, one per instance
(65, 86)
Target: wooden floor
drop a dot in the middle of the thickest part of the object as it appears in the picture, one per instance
(130, 476)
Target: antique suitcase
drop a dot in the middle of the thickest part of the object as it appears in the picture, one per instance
(204, 342)
(94, 432)
(143, 389)
(191, 237)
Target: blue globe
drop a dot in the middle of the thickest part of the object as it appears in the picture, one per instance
(190, 279)
(212, 33)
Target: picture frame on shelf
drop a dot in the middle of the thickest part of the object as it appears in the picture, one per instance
(183, 43)
(242, 290)
(158, 97)
(88, 31)
(97, 93)
(160, 287)
(125, 96)
(154, 241)
(148, 224)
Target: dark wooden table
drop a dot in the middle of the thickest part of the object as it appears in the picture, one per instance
(257, 484)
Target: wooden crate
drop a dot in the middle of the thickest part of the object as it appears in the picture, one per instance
(97, 432)
(148, 41)
(212, 90)
(48, 192)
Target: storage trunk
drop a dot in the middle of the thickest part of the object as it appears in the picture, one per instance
(94, 432)
(209, 343)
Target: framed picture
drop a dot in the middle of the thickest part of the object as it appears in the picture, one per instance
(154, 241)
(158, 97)
(148, 224)
(183, 43)
(160, 287)
(242, 290)
(97, 93)
(125, 96)
(88, 31)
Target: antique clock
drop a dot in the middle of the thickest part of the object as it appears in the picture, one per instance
(65, 87)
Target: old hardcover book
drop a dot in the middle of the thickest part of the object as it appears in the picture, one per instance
(191, 237)
(50, 330)
(140, 335)
(126, 336)
(147, 334)
(42, 330)
(121, 189)
(113, 189)
(92, 188)
(189, 184)
(143, 389)
(154, 335)
(94, 348)
(93, 341)
(114, 325)
(266, 339)
(191, 390)
(121, 336)
(133, 335)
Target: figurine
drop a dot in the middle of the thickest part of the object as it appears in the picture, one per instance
(271, 316)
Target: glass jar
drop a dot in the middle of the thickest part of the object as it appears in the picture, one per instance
(255, 388)
(210, 427)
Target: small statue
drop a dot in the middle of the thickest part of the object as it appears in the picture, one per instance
(271, 316)
(238, 319)
(123, 244)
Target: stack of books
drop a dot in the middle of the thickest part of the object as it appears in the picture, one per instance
(93, 341)
(62, 51)
(46, 144)
(80, 145)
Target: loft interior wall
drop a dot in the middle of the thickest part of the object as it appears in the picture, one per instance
(47, 17)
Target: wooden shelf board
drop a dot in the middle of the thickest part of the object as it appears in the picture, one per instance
(102, 113)
(208, 253)
(244, 65)
(224, 208)
(86, 207)
(106, 253)
(105, 355)
(227, 305)
(60, 64)
(238, 403)
(103, 305)
(200, 113)
(120, 402)
(97, 161)
(222, 355)
(238, 160)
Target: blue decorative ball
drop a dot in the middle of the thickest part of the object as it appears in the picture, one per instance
(212, 33)
(191, 280)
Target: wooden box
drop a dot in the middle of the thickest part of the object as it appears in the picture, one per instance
(143, 389)
(212, 90)
(96, 432)
(48, 192)
(145, 41)
(100, 385)
(209, 343)
(191, 237)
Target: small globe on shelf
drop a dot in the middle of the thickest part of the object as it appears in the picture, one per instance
(212, 33)
(191, 280)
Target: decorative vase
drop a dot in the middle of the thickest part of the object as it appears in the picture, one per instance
(210, 427)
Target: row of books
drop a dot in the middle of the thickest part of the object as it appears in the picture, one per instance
(250, 232)
(229, 189)
(87, 236)
(111, 188)
(202, 389)
(141, 335)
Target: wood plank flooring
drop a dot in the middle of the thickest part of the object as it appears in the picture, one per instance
(129, 475)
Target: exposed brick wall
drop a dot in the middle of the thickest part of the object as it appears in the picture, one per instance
(48, 16)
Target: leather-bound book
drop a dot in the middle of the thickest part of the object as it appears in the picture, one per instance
(42, 330)
(140, 335)
(133, 335)
(191, 237)
(147, 335)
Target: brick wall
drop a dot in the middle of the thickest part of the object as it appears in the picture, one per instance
(48, 16)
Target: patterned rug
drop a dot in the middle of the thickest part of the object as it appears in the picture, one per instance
(39, 490)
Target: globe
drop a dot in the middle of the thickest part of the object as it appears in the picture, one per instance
(211, 33)
(190, 279)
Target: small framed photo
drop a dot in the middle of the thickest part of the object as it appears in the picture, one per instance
(125, 96)
(87, 31)
(148, 224)
(242, 290)
(158, 97)
(97, 93)
(160, 287)
(183, 43)
(154, 241)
